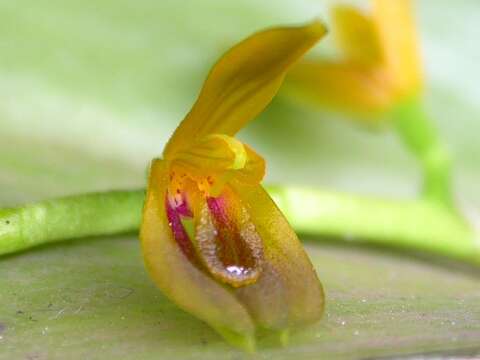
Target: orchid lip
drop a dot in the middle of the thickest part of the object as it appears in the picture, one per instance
(228, 241)
(223, 239)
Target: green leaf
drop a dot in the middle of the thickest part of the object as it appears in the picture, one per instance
(88, 299)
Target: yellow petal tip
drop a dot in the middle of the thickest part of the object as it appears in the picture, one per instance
(318, 28)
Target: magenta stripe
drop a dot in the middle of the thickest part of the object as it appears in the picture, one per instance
(179, 233)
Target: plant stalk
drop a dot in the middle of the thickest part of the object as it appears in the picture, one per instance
(418, 133)
(417, 225)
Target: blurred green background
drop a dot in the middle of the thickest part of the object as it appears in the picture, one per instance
(89, 93)
(96, 88)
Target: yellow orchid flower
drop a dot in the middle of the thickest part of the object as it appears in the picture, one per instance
(379, 73)
(213, 240)
(379, 64)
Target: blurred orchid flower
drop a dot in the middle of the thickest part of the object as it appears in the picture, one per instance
(213, 240)
(380, 73)
(379, 64)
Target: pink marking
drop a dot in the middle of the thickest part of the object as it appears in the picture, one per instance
(180, 204)
(179, 233)
(217, 206)
(183, 209)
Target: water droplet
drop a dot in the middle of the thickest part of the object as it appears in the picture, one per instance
(236, 270)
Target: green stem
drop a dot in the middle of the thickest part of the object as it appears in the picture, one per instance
(54, 220)
(418, 133)
(415, 225)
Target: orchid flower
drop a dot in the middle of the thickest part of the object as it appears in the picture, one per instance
(379, 64)
(213, 240)
(379, 73)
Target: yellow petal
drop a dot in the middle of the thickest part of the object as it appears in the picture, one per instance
(398, 36)
(340, 86)
(220, 157)
(254, 169)
(213, 153)
(243, 82)
(179, 279)
(288, 293)
(356, 36)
